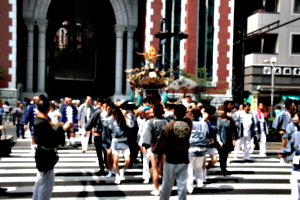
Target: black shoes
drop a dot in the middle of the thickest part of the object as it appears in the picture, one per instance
(101, 172)
(2, 190)
(225, 173)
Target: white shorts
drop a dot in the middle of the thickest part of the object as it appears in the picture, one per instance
(125, 152)
(211, 151)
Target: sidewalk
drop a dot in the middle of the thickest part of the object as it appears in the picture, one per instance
(25, 143)
(10, 130)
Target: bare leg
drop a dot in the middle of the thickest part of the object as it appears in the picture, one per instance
(127, 161)
(116, 163)
(161, 162)
(204, 163)
(283, 143)
(109, 159)
(110, 162)
(32, 145)
(116, 168)
(32, 142)
(154, 170)
(213, 160)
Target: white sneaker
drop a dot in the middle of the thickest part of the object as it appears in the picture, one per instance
(122, 174)
(282, 162)
(109, 174)
(190, 190)
(117, 180)
(146, 180)
(204, 175)
(33, 148)
(155, 192)
(199, 183)
(112, 171)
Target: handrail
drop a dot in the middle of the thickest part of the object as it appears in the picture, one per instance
(250, 35)
(258, 31)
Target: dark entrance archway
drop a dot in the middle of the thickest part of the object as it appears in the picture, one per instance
(86, 64)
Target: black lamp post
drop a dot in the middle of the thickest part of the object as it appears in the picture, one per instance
(165, 37)
(182, 35)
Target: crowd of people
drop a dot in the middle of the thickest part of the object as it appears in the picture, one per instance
(173, 139)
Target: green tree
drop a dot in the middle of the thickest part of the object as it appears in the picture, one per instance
(203, 82)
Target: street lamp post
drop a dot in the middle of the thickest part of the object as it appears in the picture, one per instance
(273, 61)
(166, 35)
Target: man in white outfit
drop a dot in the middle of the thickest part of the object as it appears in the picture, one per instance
(142, 119)
(246, 128)
(85, 111)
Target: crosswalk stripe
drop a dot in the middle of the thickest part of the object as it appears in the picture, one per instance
(190, 197)
(123, 187)
(76, 175)
(93, 157)
(97, 178)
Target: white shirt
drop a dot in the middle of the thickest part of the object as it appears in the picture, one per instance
(52, 115)
(88, 111)
(142, 128)
(6, 108)
(247, 122)
(69, 114)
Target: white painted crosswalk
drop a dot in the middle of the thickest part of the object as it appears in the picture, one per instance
(76, 178)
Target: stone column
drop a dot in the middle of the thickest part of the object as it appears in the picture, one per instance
(29, 70)
(119, 29)
(41, 75)
(129, 63)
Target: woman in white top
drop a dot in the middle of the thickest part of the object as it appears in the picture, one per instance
(6, 114)
(119, 126)
(54, 115)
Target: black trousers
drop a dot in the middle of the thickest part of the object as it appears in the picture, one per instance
(223, 156)
(99, 150)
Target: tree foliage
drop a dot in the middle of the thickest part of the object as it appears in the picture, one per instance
(203, 82)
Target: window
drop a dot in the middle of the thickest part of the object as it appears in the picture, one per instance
(62, 37)
(172, 24)
(269, 44)
(205, 38)
(296, 6)
(271, 5)
(295, 44)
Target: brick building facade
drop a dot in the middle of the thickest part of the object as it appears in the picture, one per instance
(135, 23)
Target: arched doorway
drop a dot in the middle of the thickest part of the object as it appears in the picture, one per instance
(80, 48)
